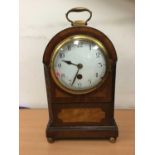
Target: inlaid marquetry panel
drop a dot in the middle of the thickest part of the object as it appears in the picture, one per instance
(71, 115)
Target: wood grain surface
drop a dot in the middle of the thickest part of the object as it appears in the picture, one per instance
(33, 140)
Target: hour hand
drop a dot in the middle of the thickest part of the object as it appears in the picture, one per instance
(69, 62)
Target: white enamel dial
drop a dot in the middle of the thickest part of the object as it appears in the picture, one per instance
(80, 65)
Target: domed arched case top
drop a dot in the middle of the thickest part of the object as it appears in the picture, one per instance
(77, 111)
(79, 30)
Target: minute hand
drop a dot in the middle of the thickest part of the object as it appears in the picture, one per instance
(79, 66)
(75, 76)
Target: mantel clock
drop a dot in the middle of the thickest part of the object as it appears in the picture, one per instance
(80, 64)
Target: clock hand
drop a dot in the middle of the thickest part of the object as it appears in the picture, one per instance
(75, 76)
(69, 63)
(79, 66)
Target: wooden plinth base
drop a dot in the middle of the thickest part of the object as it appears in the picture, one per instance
(82, 132)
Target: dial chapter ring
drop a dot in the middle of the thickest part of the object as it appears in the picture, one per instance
(65, 41)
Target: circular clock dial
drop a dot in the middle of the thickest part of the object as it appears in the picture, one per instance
(79, 64)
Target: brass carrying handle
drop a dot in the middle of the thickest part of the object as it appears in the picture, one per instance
(79, 9)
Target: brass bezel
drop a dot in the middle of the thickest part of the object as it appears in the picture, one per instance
(65, 41)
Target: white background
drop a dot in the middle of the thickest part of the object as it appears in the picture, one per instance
(40, 20)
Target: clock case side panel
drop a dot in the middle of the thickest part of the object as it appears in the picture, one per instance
(113, 89)
(49, 92)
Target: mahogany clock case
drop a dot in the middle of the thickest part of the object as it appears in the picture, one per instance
(61, 125)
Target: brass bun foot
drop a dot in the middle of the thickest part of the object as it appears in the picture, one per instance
(50, 140)
(112, 139)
